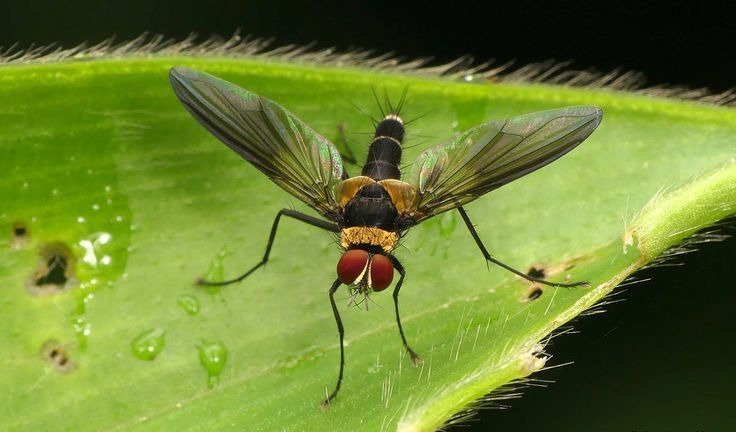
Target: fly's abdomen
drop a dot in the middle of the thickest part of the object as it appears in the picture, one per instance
(384, 154)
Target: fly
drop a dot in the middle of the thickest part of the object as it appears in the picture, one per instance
(372, 211)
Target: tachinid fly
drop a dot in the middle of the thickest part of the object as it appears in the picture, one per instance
(372, 211)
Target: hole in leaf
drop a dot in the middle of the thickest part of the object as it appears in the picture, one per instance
(535, 294)
(19, 230)
(55, 270)
(20, 234)
(57, 355)
(536, 272)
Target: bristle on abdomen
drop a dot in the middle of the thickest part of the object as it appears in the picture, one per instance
(384, 154)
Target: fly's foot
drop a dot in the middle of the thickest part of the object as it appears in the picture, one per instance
(415, 359)
(584, 284)
(327, 402)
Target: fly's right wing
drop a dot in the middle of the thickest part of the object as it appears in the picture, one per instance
(488, 156)
(265, 134)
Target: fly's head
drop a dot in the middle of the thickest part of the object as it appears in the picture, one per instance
(365, 271)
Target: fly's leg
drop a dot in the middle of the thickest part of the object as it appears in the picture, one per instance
(488, 257)
(415, 359)
(341, 331)
(319, 223)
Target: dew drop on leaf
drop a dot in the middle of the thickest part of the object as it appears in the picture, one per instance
(213, 357)
(190, 304)
(148, 345)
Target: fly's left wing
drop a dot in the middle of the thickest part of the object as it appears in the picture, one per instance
(265, 134)
(488, 156)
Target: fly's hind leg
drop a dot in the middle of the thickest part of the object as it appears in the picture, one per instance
(311, 220)
(489, 258)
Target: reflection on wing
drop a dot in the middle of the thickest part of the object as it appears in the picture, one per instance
(488, 156)
(283, 147)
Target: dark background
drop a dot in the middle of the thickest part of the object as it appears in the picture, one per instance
(662, 360)
(680, 43)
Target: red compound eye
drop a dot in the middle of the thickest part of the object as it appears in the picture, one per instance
(351, 265)
(382, 272)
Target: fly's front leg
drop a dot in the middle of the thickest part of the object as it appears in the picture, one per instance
(488, 257)
(311, 220)
(415, 359)
(341, 332)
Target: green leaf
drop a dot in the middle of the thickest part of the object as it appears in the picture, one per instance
(108, 174)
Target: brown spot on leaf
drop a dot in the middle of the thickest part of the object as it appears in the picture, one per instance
(57, 355)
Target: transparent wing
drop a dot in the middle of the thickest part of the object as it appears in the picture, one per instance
(488, 156)
(283, 147)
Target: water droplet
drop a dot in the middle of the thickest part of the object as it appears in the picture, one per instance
(83, 329)
(213, 357)
(444, 225)
(148, 345)
(81, 219)
(95, 206)
(216, 272)
(108, 188)
(448, 223)
(189, 303)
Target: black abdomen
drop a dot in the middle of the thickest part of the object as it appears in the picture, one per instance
(384, 154)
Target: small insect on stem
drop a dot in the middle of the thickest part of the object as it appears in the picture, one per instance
(372, 211)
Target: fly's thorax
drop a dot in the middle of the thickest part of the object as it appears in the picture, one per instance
(370, 238)
(371, 207)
